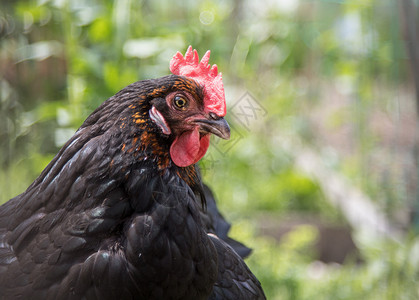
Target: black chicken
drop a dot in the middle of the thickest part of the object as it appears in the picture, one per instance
(117, 214)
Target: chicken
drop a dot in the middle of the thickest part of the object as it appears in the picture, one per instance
(119, 213)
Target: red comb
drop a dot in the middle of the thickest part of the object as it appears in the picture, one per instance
(203, 73)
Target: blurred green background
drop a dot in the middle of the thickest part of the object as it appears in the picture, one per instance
(320, 176)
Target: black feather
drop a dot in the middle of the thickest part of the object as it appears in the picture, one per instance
(111, 217)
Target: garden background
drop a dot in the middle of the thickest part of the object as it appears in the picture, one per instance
(320, 177)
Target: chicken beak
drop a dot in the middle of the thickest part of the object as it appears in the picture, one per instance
(218, 126)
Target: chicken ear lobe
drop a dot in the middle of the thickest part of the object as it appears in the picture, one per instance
(159, 120)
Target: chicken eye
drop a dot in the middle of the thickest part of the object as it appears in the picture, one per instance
(180, 102)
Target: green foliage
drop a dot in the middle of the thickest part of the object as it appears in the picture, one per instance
(288, 272)
(262, 179)
(60, 59)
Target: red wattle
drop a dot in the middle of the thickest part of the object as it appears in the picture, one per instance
(188, 148)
